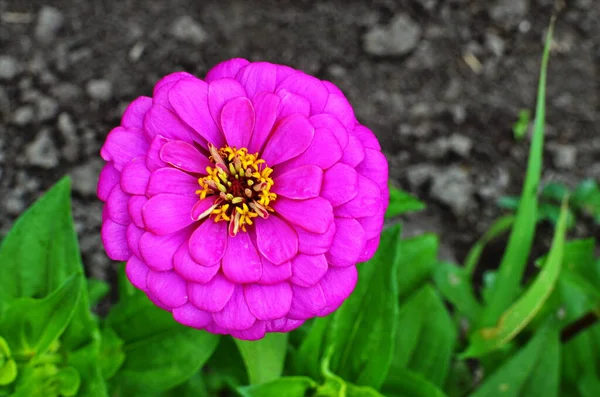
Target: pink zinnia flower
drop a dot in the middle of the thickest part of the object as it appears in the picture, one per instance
(243, 202)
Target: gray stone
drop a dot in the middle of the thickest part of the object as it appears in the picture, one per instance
(49, 22)
(509, 13)
(47, 108)
(24, 115)
(14, 203)
(67, 129)
(495, 43)
(85, 177)
(66, 93)
(565, 156)
(419, 174)
(455, 143)
(9, 67)
(42, 152)
(399, 37)
(452, 186)
(460, 144)
(185, 28)
(99, 89)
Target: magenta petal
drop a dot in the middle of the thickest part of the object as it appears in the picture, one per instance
(258, 77)
(307, 270)
(167, 213)
(374, 167)
(339, 106)
(366, 137)
(291, 137)
(133, 117)
(169, 80)
(307, 302)
(171, 180)
(161, 121)
(299, 183)
(202, 206)
(348, 243)
(370, 249)
(134, 207)
(134, 234)
(308, 87)
(354, 152)
(189, 269)
(340, 184)
(256, 332)
(269, 302)
(189, 98)
(168, 287)
(337, 285)
(372, 224)
(184, 156)
(334, 125)
(332, 88)
(283, 72)
(122, 145)
(266, 105)
(273, 274)
(227, 69)
(114, 238)
(219, 93)
(137, 272)
(367, 202)
(235, 315)
(134, 178)
(117, 206)
(314, 243)
(109, 177)
(275, 239)
(283, 325)
(292, 104)
(212, 296)
(190, 316)
(208, 242)
(153, 161)
(324, 151)
(241, 262)
(237, 121)
(158, 251)
(314, 215)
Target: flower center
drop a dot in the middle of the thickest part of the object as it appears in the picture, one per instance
(242, 183)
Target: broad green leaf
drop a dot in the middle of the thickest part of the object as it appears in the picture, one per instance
(580, 259)
(227, 366)
(455, 286)
(555, 191)
(97, 290)
(364, 326)
(410, 323)
(111, 353)
(30, 325)
(8, 367)
(405, 383)
(528, 305)
(586, 198)
(69, 381)
(86, 361)
(193, 387)
(307, 360)
(417, 257)
(459, 380)
(589, 386)
(335, 386)
(264, 358)
(545, 379)
(293, 386)
(521, 237)
(499, 227)
(402, 202)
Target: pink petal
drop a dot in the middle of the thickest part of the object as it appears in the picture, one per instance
(156, 301)
(219, 93)
(153, 161)
(208, 243)
(367, 202)
(374, 167)
(184, 156)
(324, 151)
(314, 243)
(189, 98)
(299, 183)
(137, 272)
(275, 239)
(332, 88)
(168, 81)
(235, 315)
(134, 207)
(337, 285)
(354, 152)
(171, 180)
(190, 270)
(212, 296)
(114, 238)
(314, 215)
(307, 302)
(122, 145)
(338, 106)
(366, 137)
(134, 234)
(334, 125)
(168, 287)
(134, 178)
(372, 224)
(283, 72)
(167, 213)
(117, 206)
(272, 274)
(257, 77)
(283, 325)
(202, 206)
(237, 121)
(370, 249)
(266, 107)
(292, 104)
(109, 177)
(348, 243)
(190, 316)
(269, 302)
(256, 332)
(227, 69)
(241, 262)
(161, 121)
(340, 184)
(158, 251)
(133, 117)
(308, 87)
(291, 137)
(307, 270)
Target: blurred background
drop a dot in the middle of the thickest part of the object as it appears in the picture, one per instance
(440, 82)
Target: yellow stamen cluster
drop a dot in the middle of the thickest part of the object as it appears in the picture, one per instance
(243, 184)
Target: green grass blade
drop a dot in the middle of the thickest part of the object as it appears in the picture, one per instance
(502, 225)
(521, 238)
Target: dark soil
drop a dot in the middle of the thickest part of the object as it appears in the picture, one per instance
(439, 81)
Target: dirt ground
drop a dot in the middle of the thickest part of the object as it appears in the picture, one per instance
(440, 82)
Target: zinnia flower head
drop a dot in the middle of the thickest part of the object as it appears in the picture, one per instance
(243, 202)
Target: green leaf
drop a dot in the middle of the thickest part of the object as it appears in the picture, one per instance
(455, 286)
(307, 361)
(402, 202)
(264, 358)
(227, 366)
(416, 261)
(69, 381)
(293, 386)
(111, 353)
(97, 290)
(86, 361)
(405, 383)
(498, 228)
(335, 386)
(521, 125)
(528, 305)
(30, 325)
(8, 367)
(193, 387)
(589, 386)
(513, 263)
